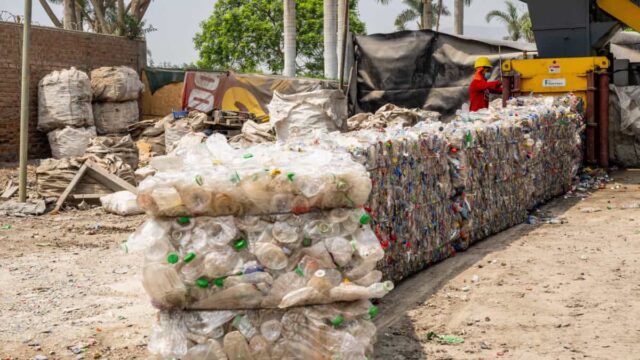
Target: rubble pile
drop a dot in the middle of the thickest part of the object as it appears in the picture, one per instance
(259, 252)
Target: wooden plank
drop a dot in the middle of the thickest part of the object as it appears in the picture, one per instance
(9, 190)
(109, 180)
(80, 197)
(70, 187)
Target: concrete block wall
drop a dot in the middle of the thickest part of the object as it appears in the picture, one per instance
(51, 49)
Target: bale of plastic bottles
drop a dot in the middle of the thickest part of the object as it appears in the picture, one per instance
(336, 331)
(438, 187)
(214, 179)
(280, 261)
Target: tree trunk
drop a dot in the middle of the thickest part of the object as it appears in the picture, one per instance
(98, 8)
(458, 13)
(121, 11)
(330, 39)
(54, 19)
(427, 14)
(69, 14)
(289, 38)
(79, 18)
(342, 9)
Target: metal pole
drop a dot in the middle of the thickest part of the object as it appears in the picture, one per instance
(591, 119)
(24, 102)
(343, 55)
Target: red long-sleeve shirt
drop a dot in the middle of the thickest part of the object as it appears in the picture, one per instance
(479, 91)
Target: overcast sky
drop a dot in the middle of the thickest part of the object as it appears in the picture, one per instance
(178, 21)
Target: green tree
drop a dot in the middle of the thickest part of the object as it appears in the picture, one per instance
(414, 12)
(518, 26)
(247, 36)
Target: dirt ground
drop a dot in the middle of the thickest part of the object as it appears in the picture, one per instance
(552, 291)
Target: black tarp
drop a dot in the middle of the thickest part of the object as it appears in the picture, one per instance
(419, 69)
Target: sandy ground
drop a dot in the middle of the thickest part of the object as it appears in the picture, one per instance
(553, 291)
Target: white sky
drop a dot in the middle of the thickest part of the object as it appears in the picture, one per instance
(178, 21)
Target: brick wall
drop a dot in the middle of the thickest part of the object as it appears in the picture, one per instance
(51, 49)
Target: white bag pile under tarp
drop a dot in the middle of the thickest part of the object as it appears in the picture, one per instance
(116, 84)
(70, 142)
(64, 99)
(114, 118)
(121, 203)
(298, 115)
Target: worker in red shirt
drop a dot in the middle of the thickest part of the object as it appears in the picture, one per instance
(480, 86)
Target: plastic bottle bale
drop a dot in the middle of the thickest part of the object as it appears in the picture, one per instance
(70, 142)
(64, 99)
(115, 118)
(118, 83)
(336, 331)
(121, 146)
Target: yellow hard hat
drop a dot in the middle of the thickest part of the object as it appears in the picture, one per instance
(483, 61)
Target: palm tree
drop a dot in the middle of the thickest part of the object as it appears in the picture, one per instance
(342, 10)
(69, 19)
(289, 38)
(416, 11)
(516, 23)
(458, 15)
(330, 39)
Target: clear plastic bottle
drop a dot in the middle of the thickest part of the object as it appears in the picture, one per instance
(302, 296)
(367, 245)
(271, 256)
(271, 330)
(341, 250)
(242, 324)
(239, 296)
(164, 286)
(285, 233)
(207, 323)
(222, 261)
(167, 200)
(260, 348)
(210, 350)
(196, 199)
(236, 347)
(379, 290)
(369, 279)
(349, 292)
(323, 280)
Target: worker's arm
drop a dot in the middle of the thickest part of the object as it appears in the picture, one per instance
(482, 85)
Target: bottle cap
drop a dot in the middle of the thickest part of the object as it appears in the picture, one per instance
(248, 156)
(291, 175)
(218, 282)
(173, 258)
(320, 273)
(373, 311)
(299, 271)
(202, 283)
(337, 321)
(240, 244)
(306, 242)
(365, 219)
(183, 220)
(189, 257)
(199, 180)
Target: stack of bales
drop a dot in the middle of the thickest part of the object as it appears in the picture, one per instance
(64, 112)
(259, 253)
(115, 93)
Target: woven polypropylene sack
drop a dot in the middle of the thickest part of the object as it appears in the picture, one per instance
(70, 142)
(115, 118)
(116, 84)
(64, 99)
